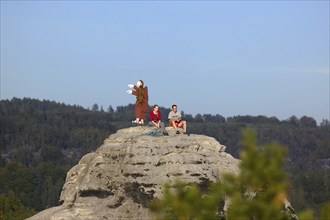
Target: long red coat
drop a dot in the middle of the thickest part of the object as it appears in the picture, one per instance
(141, 105)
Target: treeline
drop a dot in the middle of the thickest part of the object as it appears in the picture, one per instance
(34, 131)
(41, 140)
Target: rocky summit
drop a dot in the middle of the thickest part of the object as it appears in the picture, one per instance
(129, 169)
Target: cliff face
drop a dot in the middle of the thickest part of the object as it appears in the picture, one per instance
(130, 168)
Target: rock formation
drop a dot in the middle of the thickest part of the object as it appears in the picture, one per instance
(123, 175)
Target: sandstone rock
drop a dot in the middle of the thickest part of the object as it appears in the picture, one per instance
(123, 175)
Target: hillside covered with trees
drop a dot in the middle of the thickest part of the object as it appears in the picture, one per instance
(41, 140)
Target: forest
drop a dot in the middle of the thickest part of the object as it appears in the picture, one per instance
(40, 140)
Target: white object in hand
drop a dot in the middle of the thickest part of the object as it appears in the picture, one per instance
(129, 91)
(130, 85)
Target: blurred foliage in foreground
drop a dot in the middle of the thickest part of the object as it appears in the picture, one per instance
(258, 192)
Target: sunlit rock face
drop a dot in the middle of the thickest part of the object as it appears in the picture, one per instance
(123, 175)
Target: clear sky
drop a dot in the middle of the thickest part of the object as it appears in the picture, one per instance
(254, 58)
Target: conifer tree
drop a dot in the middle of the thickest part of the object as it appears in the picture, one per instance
(258, 192)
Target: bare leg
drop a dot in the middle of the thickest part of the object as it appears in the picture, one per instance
(184, 125)
(174, 125)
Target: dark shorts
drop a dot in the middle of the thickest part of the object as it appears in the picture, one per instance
(176, 123)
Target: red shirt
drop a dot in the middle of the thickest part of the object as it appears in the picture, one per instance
(155, 117)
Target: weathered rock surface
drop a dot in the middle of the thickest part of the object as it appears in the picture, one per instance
(129, 169)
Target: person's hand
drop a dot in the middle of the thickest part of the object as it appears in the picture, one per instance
(155, 123)
(129, 91)
(131, 86)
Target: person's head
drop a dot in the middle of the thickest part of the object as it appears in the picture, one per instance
(155, 108)
(140, 83)
(174, 108)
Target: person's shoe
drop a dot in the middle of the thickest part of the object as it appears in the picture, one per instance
(134, 122)
(177, 132)
(184, 132)
(165, 133)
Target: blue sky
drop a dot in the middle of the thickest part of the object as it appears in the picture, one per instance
(266, 58)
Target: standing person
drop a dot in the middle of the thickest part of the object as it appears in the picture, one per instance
(141, 104)
(175, 120)
(156, 119)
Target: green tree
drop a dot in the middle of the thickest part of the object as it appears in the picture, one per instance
(258, 192)
(11, 208)
(95, 108)
(110, 109)
(307, 122)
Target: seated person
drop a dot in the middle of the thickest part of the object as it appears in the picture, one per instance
(175, 120)
(156, 119)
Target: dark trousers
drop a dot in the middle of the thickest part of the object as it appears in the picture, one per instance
(162, 125)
